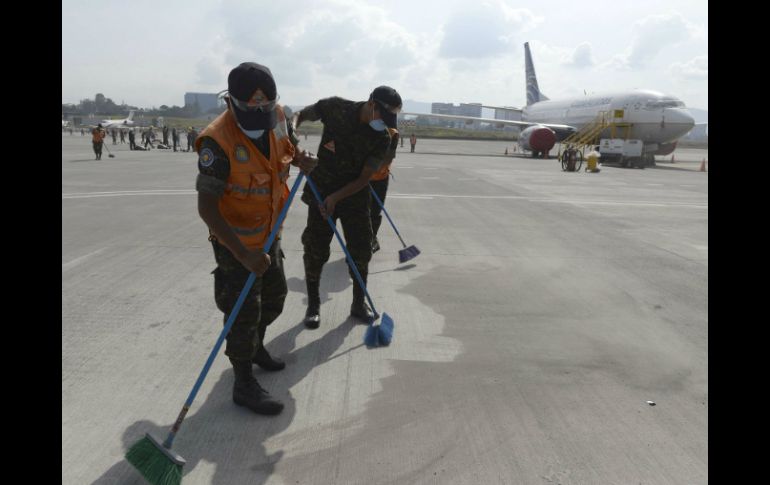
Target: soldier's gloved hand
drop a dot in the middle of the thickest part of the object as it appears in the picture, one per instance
(256, 261)
(306, 161)
(327, 208)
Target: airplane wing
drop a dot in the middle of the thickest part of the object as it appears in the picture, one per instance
(523, 124)
(507, 108)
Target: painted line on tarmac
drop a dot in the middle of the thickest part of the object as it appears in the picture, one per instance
(121, 193)
(77, 261)
(557, 201)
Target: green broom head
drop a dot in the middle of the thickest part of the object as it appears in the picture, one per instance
(158, 465)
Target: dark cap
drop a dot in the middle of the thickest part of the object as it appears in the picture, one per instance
(390, 104)
(242, 83)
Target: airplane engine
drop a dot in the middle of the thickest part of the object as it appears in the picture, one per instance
(537, 139)
(665, 149)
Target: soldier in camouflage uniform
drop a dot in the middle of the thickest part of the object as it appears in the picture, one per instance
(241, 189)
(353, 145)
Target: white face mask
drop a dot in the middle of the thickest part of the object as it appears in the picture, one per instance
(255, 134)
(377, 125)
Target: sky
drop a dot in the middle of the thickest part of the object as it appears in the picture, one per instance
(147, 53)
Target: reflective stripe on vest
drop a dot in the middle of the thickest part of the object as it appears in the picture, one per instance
(254, 194)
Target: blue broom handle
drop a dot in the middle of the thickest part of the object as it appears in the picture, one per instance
(231, 318)
(382, 206)
(351, 263)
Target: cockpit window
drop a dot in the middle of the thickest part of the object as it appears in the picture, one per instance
(663, 103)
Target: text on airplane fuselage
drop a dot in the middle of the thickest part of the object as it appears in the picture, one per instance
(592, 102)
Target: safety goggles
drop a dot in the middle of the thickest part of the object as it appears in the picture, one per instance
(391, 109)
(256, 103)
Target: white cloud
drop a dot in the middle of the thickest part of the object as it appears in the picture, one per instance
(485, 30)
(651, 35)
(695, 69)
(429, 51)
(582, 57)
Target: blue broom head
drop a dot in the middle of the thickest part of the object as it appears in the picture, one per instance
(372, 336)
(408, 253)
(385, 330)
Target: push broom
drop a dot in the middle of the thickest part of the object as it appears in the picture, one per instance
(155, 460)
(375, 335)
(109, 153)
(407, 253)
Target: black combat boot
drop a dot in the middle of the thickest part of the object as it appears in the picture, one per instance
(247, 391)
(359, 309)
(262, 358)
(313, 313)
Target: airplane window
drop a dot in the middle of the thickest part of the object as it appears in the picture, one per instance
(664, 103)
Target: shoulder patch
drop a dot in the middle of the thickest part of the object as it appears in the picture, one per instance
(206, 157)
(241, 153)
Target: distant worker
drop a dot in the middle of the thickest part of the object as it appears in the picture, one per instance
(114, 137)
(379, 183)
(402, 142)
(243, 163)
(174, 137)
(592, 160)
(122, 136)
(147, 139)
(82, 132)
(191, 136)
(353, 145)
(131, 139)
(97, 138)
(165, 135)
(413, 141)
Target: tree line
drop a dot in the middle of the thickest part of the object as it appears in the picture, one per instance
(103, 106)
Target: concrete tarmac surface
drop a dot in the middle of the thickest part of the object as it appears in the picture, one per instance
(546, 309)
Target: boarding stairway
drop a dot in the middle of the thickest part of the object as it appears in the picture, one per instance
(587, 137)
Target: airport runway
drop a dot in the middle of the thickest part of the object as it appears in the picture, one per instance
(545, 311)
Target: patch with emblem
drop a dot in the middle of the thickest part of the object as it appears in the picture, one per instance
(241, 153)
(330, 146)
(206, 157)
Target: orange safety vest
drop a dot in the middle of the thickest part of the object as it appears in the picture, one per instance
(98, 135)
(384, 170)
(256, 189)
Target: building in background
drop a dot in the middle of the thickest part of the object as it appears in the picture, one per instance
(205, 101)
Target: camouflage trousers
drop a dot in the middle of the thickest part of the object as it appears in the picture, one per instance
(263, 304)
(353, 213)
(381, 189)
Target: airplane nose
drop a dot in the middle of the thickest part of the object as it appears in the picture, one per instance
(679, 116)
(678, 120)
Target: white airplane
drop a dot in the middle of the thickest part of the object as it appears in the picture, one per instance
(659, 120)
(125, 122)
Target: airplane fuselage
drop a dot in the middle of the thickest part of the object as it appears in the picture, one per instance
(653, 117)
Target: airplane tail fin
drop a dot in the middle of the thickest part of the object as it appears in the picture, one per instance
(130, 115)
(533, 92)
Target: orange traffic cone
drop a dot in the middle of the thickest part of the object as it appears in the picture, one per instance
(703, 165)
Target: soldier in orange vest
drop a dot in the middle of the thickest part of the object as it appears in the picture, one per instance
(379, 183)
(98, 135)
(243, 160)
